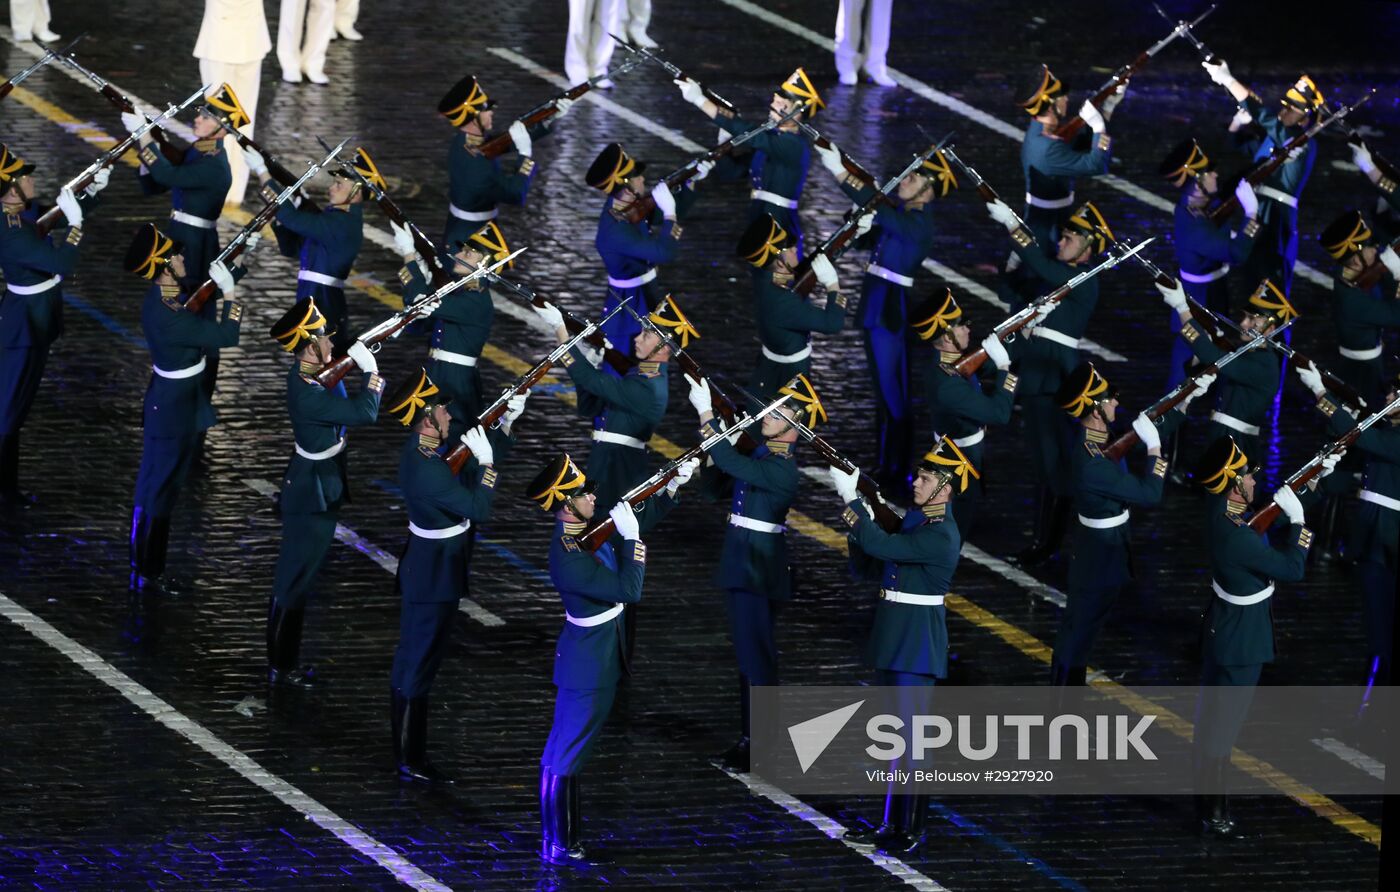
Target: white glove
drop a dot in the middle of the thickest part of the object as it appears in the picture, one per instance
(1361, 157)
(702, 170)
(1312, 379)
(1114, 98)
(996, 352)
(1219, 72)
(1296, 153)
(831, 160)
(734, 434)
(549, 314)
(562, 106)
(1241, 118)
(480, 445)
(521, 137)
(1092, 117)
(250, 244)
(626, 521)
(591, 354)
(824, 271)
(691, 92)
(665, 201)
(700, 395)
(364, 358)
(1203, 384)
(1147, 431)
(99, 181)
(1329, 464)
(1174, 297)
(69, 205)
(222, 277)
(1392, 262)
(403, 240)
(1003, 214)
(255, 161)
(515, 407)
(683, 475)
(864, 222)
(1249, 202)
(1041, 315)
(845, 483)
(1287, 500)
(133, 121)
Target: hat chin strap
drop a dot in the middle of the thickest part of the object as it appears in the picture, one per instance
(1103, 416)
(946, 481)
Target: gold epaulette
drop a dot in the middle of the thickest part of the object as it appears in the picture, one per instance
(569, 543)
(1348, 274)
(13, 220)
(1159, 467)
(149, 155)
(1009, 384)
(1022, 236)
(676, 231)
(75, 236)
(1386, 185)
(567, 359)
(649, 369)
(849, 517)
(171, 299)
(1251, 228)
(404, 275)
(209, 146)
(267, 193)
(488, 478)
(1189, 332)
(780, 448)
(1105, 142)
(427, 451)
(639, 551)
(235, 311)
(1326, 406)
(1305, 537)
(376, 383)
(1237, 518)
(527, 166)
(840, 299)
(1092, 448)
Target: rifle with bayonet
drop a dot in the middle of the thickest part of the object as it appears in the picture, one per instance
(726, 108)
(172, 152)
(1265, 167)
(457, 456)
(1191, 38)
(642, 207)
(49, 55)
(853, 167)
(602, 529)
(984, 188)
(1300, 478)
(502, 143)
(1006, 328)
(722, 405)
(276, 169)
(1179, 394)
(1069, 128)
(619, 361)
(77, 184)
(263, 217)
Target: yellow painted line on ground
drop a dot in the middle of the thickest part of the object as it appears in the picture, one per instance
(1019, 639)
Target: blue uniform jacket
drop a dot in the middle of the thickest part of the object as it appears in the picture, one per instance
(435, 570)
(765, 488)
(179, 407)
(906, 237)
(1202, 246)
(26, 259)
(319, 419)
(780, 158)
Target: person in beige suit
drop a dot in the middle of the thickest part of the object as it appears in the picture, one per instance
(303, 50)
(30, 19)
(232, 42)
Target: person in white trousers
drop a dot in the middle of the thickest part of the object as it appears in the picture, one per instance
(346, 12)
(855, 41)
(233, 39)
(303, 50)
(30, 19)
(634, 16)
(588, 47)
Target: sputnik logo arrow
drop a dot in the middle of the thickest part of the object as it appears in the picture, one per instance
(811, 738)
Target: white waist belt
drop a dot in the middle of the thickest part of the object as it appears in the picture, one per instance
(34, 289)
(1051, 203)
(633, 282)
(445, 533)
(1234, 423)
(180, 373)
(1277, 195)
(307, 275)
(1058, 337)
(1370, 353)
(1218, 273)
(192, 220)
(1105, 523)
(472, 216)
(970, 439)
(596, 619)
(1242, 600)
(880, 272)
(1378, 499)
(619, 439)
(773, 198)
(758, 526)
(906, 598)
(787, 357)
(449, 356)
(324, 453)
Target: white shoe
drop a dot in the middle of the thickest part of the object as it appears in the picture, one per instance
(291, 75)
(317, 77)
(605, 84)
(881, 77)
(847, 77)
(23, 36)
(350, 33)
(641, 39)
(46, 35)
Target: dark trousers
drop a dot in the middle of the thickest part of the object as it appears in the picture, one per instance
(165, 463)
(752, 626)
(1221, 707)
(21, 370)
(424, 628)
(306, 540)
(579, 716)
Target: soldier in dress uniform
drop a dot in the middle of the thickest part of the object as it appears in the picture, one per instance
(1237, 637)
(906, 231)
(778, 168)
(432, 577)
(478, 183)
(315, 483)
(908, 644)
(198, 186)
(1276, 249)
(1361, 157)
(1049, 355)
(177, 410)
(786, 319)
(591, 657)
(632, 251)
(1251, 380)
(31, 306)
(1103, 490)
(959, 408)
(328, 239)
(1362, 314)
(1204, 250)
(753, 568)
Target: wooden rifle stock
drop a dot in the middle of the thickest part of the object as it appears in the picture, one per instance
(438, 272)
(173, 153)
(277, 170)
(853, 167)
(501, 143)
(975, 358)
(6, 88)
(1266, 516)
(885, 516)
(601, 530)
(642, 207)
(1129, 438)
(1070, 128)
(614, 357)
(1371, 275)
(330, 374)
(457, 456)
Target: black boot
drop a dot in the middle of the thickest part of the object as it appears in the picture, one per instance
(1217, 823)
(736, 758)
(413, 743)
(1052, 513)
(1171, 451)
(559, 820)
(136, 543)
(891, 824)
(1328, 535)
(397, 702)
(10, 494)
(283, 646)
(907, 840)
(150, 540)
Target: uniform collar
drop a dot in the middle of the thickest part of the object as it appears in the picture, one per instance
(1233, 508)
(211, 146)
(781, 279)
(1093, 436)
(947, 358)
(938, 510)
(779, 447)
(170, 290)
(429, 441)
(574, 527)
(649, 369)
(308, 367)
(473, 142)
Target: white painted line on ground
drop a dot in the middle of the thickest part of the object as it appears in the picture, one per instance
(1353, 757)
(142, 698)
(379, 555)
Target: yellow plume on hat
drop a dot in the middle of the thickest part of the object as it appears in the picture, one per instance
(668, 315)
(940, 170)
(956, 463)
(493, 240)
(1268, 297)
(942, 318)
(409, 400)
(801, 390)
(1234, 464)
(799, 86)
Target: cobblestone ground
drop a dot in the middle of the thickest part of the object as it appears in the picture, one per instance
(95, 793)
